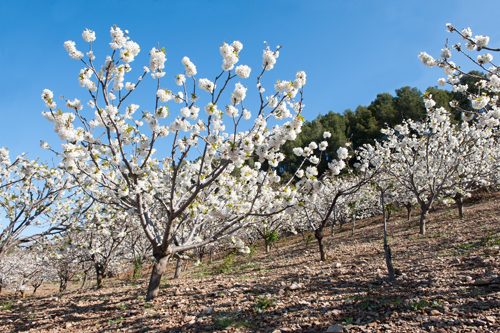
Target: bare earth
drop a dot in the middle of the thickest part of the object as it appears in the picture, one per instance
(447, 282)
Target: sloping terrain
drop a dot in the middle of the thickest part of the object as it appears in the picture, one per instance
(447, 281)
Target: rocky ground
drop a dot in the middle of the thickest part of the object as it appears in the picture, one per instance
(447, 282)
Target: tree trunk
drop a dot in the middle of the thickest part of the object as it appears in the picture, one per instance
(460, 206)
(387, 248)
(23, 293)
(422, 221)
(319, 237)
(408, 211)
(268, 247)
(178, 269)
(85, 273)
(158, 270)
(35, 287)
(353, 223)
(63, 285)
(99, 271)
(210, 258)
(388, 261)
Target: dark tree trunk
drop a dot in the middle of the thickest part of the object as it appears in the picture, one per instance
(63, 284)
(158, 270)
(202, 254)
(460, 205)
(318, 234)
(35, 287)
(178, 269)
(99, 271)
(408, 211)
(388, 261)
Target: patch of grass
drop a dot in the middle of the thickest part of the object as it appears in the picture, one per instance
(264, 303)
(121, 307)
(348, 321)
(165, 286)
(225, 320)
(414, 305)
(201, 274)
(247, 266)
(7, 305)
(227, 263)
(115, 321)
(389, 239)
(368, 305)
(308, 240)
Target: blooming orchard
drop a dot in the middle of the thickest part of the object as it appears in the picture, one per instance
(113, 154)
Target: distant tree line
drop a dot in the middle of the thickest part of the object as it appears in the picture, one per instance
(363, 125)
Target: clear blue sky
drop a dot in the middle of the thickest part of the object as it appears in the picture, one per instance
(350, 50)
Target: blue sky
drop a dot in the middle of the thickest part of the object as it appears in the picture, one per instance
(350, 50)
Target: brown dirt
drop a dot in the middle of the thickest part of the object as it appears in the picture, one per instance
(447, 282)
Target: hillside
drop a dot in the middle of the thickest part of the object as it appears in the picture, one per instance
(447, 282)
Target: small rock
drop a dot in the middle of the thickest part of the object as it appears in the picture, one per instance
(490, 319)
(294, 286)
(435, 313)
(68, 325)
(334, 329)
(285, 330)
(337, 265)
(468, 278)
(481, 283)
(479, 322)
(209, 310)
(373, 324)
(455, 261)
(281, 291)
(491, 250)
(189, 318)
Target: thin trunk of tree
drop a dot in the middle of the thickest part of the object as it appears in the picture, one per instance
(408, 211)
(422, 221)
(318, 234)
(353, 223)
(460, 205)
(178, 269)
(85, 273)
(35, 287)
(387, 248)
(268, 246)
(63, 284)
